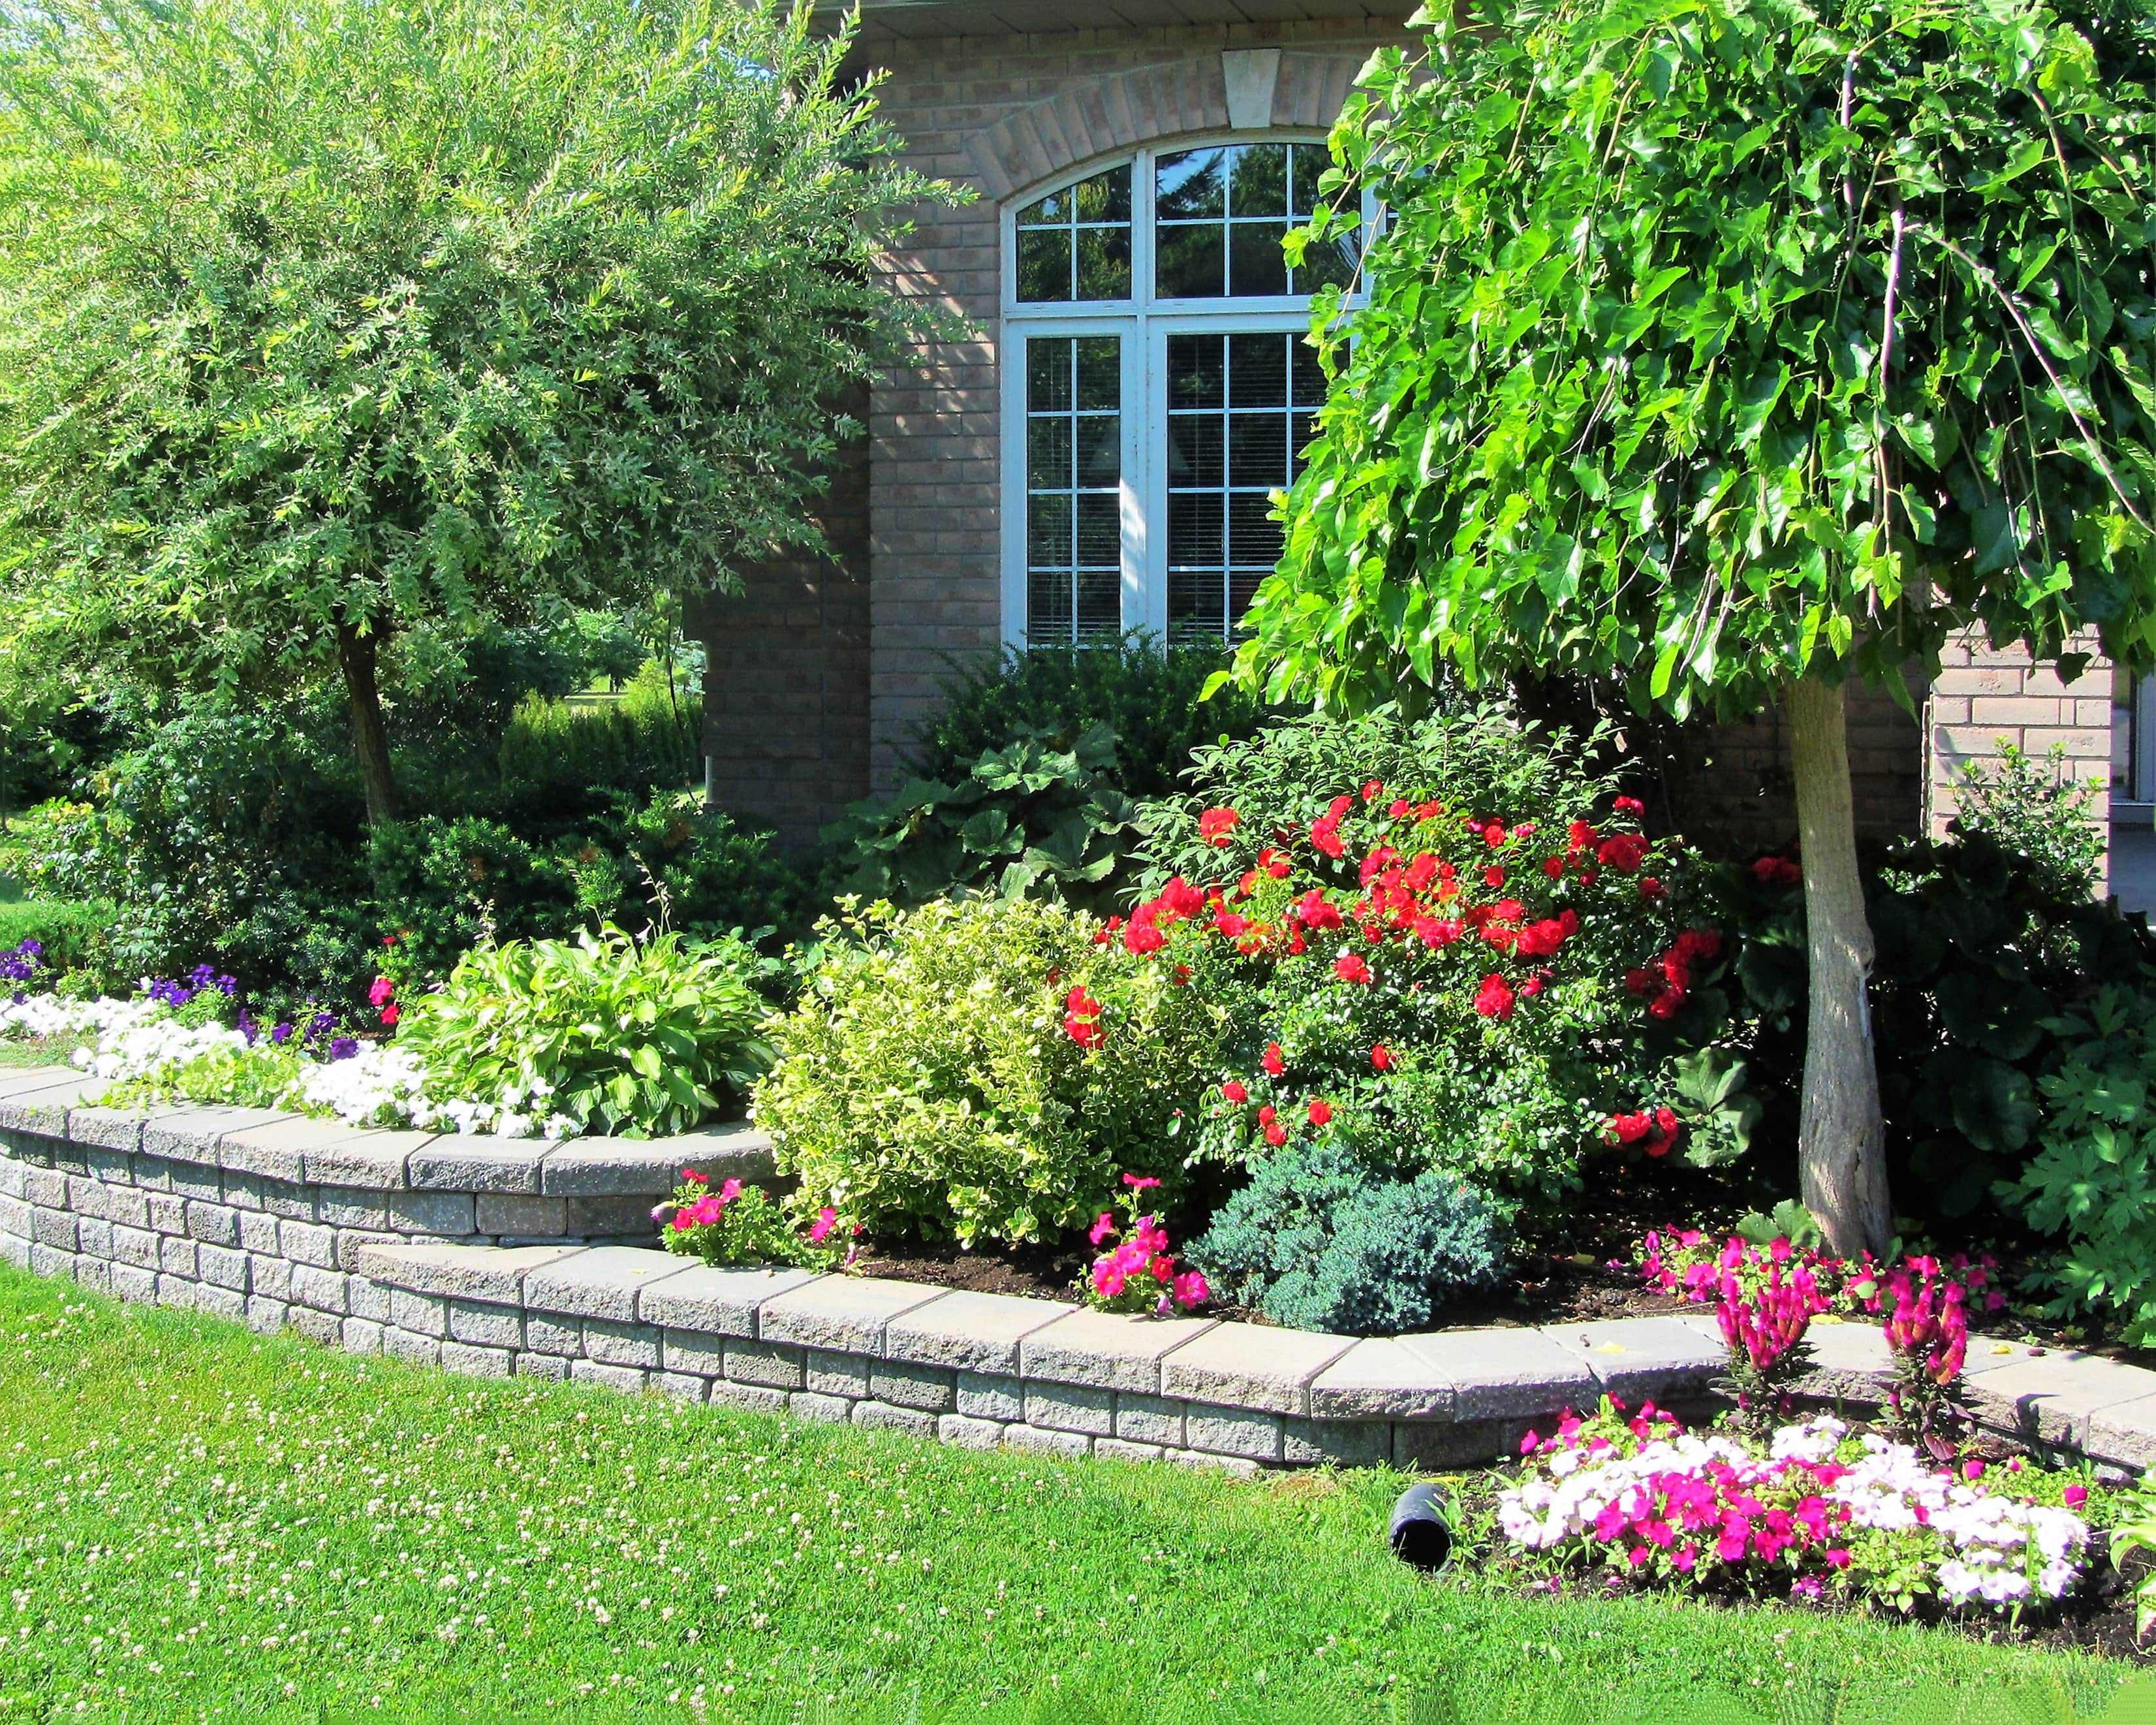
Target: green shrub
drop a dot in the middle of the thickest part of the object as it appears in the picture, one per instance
(716, 874)
(71, 934)
(1028, 820)
(1321, 1240)
(926, 1081)
(1148, 696)
(2093, 1176)
(647, 738)
(640, 1037)
(2040, 813)
(439, 884)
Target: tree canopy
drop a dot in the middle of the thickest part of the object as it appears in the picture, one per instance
(1714, 342)
(323, 321)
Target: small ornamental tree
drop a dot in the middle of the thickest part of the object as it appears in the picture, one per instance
(321, 323)
(1735, 350)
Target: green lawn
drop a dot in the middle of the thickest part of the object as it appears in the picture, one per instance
(197, 1522)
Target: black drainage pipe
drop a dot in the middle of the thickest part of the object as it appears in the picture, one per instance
(1421, 1531)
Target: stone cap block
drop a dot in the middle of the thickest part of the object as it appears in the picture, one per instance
(716, 1301)
(1379, 1379)
(374, 1160)
(488, 1273)
(1849, 1357)
(1505, 1373)
(605, 1167)
(1108, 1350)
(2055, 1395)
(1251, 1366)
(107, 1128)
(1641, 1356)
(277, 1148)
(968, 1331)
(730, 1150)
(42, 1106)
(468, 1162)
(847, 1312)
(195, 1134)
(599, 1281)
(2124, 1432)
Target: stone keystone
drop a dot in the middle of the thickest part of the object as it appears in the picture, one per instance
(1505, 1374)
(600, 1282)
(604, 1167)
(375, 1161)
(714, 1301)
(467, 1162)
(277, 1148)
(193, 1134)
(493, 1274)
(1108, 1350)
(1379, 1379)
(971, 1331)
(1641, 1356)
(850, 1313)
(1251, 1366)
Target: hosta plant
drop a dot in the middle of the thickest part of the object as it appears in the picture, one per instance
(612, 1033)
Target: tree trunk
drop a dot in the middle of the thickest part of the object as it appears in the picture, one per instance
(355, 657)
(1842, 1153)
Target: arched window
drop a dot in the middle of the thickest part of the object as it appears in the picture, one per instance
(1157, 387)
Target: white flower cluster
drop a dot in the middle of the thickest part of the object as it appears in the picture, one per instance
(1544, 1513)
(377, 1086)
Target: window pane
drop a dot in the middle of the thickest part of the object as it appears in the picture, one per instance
(1048, 530)
(1189, 262)
(1098, 610)
(1309, 374)
(1099, 449)
(1196, 605)
(1306, 164)
(1103, 263)
(1193, 449)
(1257, 370)
(1105, 198)
(1048, 605)
(1196, 372)
(1100, 530)
(1053, 211)
(1257, 184)
(1193, 528)
(1252, 538)
(1048, 453)
(1043, 264)
(1100, 373)
(1048, 376)
(1191, 184)
(1256, 264)
(1329, 262)
(1257, 450)
(1306, 432)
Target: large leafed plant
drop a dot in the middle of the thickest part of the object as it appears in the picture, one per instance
(1739, 350)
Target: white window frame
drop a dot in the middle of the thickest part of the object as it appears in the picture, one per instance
(1143, 324)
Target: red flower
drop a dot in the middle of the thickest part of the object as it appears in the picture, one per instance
(1381, 1057)
(1232, 922)
(1579, 836)
(1629, 805)
(1141, 937)
(1493, 877)
(1373, 790)
(1494, 834)
(1666, 1004)
(1434, 932)
(1320, 1113)
(1274, 863)
(1268, 1115)
(1081, 1017)
(1349, 967)
(1316, 912)
(1272, 1063)
(1234, 1092)
(1639, 980)
(1777, 872)
(389, 1013)
(1428, 810)
(1624, 852)
(1217, 826)
(1649, 887)
(1401, 807)
(1495, 998)
(1276, 1133)
(1554, 867)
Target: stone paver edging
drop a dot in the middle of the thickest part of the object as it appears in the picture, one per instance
(498, 1258)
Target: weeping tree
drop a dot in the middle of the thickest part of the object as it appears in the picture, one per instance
(1738, 350)
(325, 322)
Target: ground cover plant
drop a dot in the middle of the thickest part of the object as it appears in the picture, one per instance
(199, 1519)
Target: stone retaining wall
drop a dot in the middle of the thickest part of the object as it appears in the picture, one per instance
(498, 1258)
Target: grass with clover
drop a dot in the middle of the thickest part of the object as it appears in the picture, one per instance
(203, 1523)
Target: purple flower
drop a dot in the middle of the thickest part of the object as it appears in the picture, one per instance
(31, 948)
(280, 1034)
(343, 1048)
(248, 1027)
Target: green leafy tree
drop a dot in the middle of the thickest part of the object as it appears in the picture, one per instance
(322, 322)
(1736, 349)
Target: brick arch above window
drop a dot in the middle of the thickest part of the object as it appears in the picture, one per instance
(1244, 90)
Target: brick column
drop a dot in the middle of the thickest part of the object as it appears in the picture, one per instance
(1985, 694)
